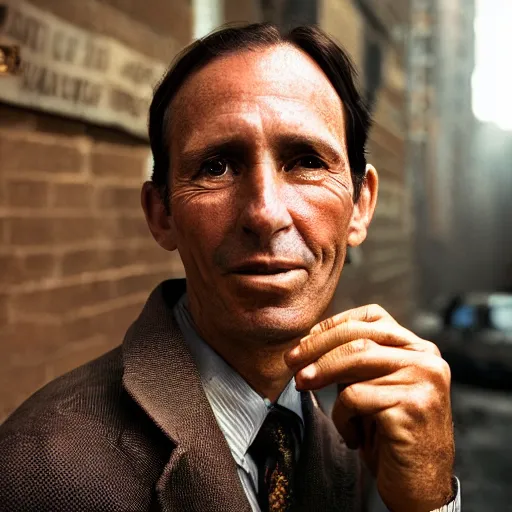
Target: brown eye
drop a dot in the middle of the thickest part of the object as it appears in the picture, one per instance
(310, 162)
(216, 167)
(306, 162)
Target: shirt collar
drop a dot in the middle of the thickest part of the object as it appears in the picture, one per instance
(238, 408)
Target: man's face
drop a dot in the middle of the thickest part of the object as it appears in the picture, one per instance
(261, 193)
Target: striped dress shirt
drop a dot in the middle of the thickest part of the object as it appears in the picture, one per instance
(240, 411)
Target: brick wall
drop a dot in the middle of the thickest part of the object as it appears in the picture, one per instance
(76, 258)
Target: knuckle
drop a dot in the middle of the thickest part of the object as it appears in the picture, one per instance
(361, 345)
(327, 324)
(438, 369)
(307, 344)
(376, 311)
(444, 370)
(423, 399)
(431, 348)
(349, 397)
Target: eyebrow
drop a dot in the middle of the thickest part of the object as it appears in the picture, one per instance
(298, 143)
(286, 145)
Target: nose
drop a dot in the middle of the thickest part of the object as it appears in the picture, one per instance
(264, 210)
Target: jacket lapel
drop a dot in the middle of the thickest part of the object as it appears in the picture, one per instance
(160, 375)
(328, 474)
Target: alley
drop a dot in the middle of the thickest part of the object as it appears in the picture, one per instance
(483, 421)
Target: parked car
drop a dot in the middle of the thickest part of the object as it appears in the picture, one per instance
(474, 334)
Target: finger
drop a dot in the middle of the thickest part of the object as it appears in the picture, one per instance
(355, 361)
(361, 399)
(368, 313)
(313, 347)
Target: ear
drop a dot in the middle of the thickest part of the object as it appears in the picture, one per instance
(159, 221)
(364, 208)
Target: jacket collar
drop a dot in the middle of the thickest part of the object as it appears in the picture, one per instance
(161, 377)
(201, 475)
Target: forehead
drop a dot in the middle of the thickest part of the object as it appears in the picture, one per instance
(281, 79)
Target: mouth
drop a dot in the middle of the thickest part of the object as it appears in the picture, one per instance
(269, 277)
(265, 268)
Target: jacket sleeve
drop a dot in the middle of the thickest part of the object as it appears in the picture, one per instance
(67, 471)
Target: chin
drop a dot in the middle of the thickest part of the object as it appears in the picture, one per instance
(274, 325)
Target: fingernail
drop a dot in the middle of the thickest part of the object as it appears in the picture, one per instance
(309, 372)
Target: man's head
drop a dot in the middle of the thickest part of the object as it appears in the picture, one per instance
(260, 177)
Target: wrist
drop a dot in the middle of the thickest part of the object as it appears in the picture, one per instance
(451, 498)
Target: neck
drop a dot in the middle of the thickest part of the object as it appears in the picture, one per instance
(262, 366)
(264, 370)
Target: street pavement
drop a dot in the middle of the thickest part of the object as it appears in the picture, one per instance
(483, 427)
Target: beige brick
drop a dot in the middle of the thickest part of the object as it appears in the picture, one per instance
(30, 231)
(63, 300)
(76, 229)
(85, 260)
(121, 257)
(72, 195)
(82, 328)
(116, 321)
(31, 343)
(17, 385)
(119, 198)
(76, 355)
(61, 126)
(10, 269)
(29, 194)
(38, 266)
(133, 227)
(5, 231)
(109, 160)
(4, 312)
(37, 231)
(17, 269)
(3, 191)
(113, 322)
(96, 259)
(139, 283)
(20, 154)
(152, 253)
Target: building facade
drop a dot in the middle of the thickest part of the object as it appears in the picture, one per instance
(441, 64)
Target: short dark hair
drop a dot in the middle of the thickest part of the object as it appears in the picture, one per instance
(332, 59)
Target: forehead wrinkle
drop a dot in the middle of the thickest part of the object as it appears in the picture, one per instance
(231, 84)
(261, 129)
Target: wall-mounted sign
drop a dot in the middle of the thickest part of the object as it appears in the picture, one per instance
(72, 72)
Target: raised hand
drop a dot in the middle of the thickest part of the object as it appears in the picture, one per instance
(393, 402)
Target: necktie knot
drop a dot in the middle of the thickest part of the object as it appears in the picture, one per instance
(275, 451)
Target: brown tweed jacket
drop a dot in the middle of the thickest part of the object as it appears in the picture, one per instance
(133, 431)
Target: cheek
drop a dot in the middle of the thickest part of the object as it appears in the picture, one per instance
(201, 219)
(322, 215)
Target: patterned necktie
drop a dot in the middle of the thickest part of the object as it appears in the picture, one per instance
(275, 451)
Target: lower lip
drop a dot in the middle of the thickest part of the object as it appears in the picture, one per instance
(281, 281)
